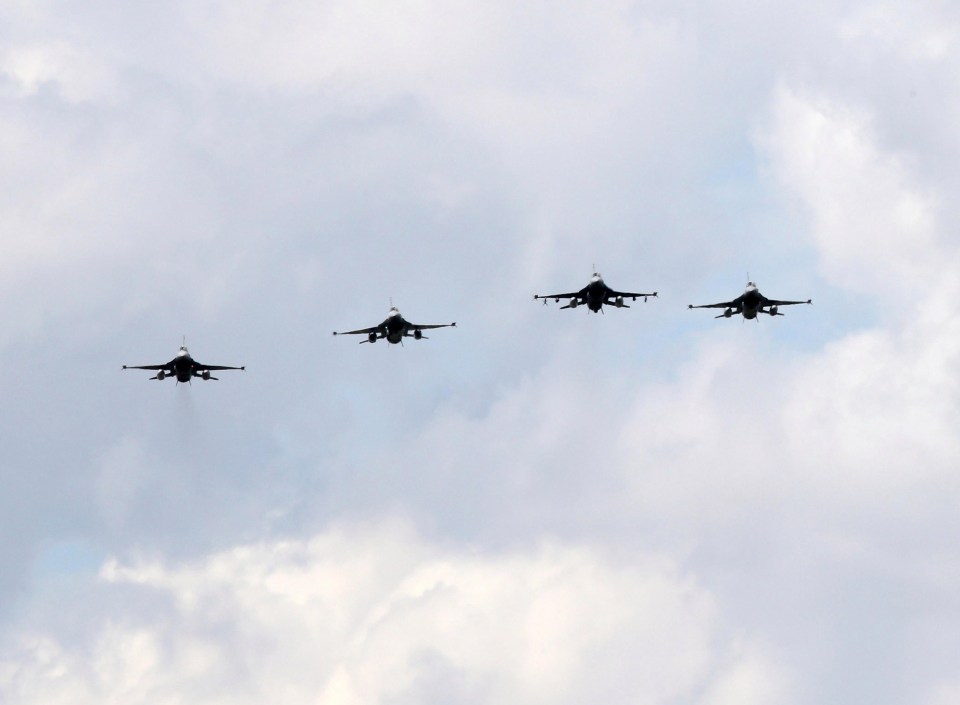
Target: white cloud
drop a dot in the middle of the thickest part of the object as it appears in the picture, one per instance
(945, 694)
(73, 73)
(377, 615)
(920, 31)
(752, 680)
(876, 230)
(874, 403)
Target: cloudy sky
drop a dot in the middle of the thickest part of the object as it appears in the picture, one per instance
(539, 506)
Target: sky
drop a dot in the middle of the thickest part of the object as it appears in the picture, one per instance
(537, 506)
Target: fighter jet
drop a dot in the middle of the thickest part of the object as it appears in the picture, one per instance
(750, 303)
(594, 295)
(394, 328)
(183, 367)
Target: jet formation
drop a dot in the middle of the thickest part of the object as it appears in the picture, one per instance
(394, 328)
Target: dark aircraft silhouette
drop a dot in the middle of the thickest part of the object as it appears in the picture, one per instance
(594, 295)
(750, 303)
(394, 328)
(183, 367)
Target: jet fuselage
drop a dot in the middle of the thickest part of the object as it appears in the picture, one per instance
(394, 327)
(183, 366)
(751, 302)
(596, 294)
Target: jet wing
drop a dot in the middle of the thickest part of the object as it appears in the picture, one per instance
(214, 368)
(776, 302)
(361, 331)
(558, 296)
(737, 303)
(168, 366)
(628, 294)
(418, 326)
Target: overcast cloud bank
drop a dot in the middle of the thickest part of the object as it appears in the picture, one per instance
(645, 506)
